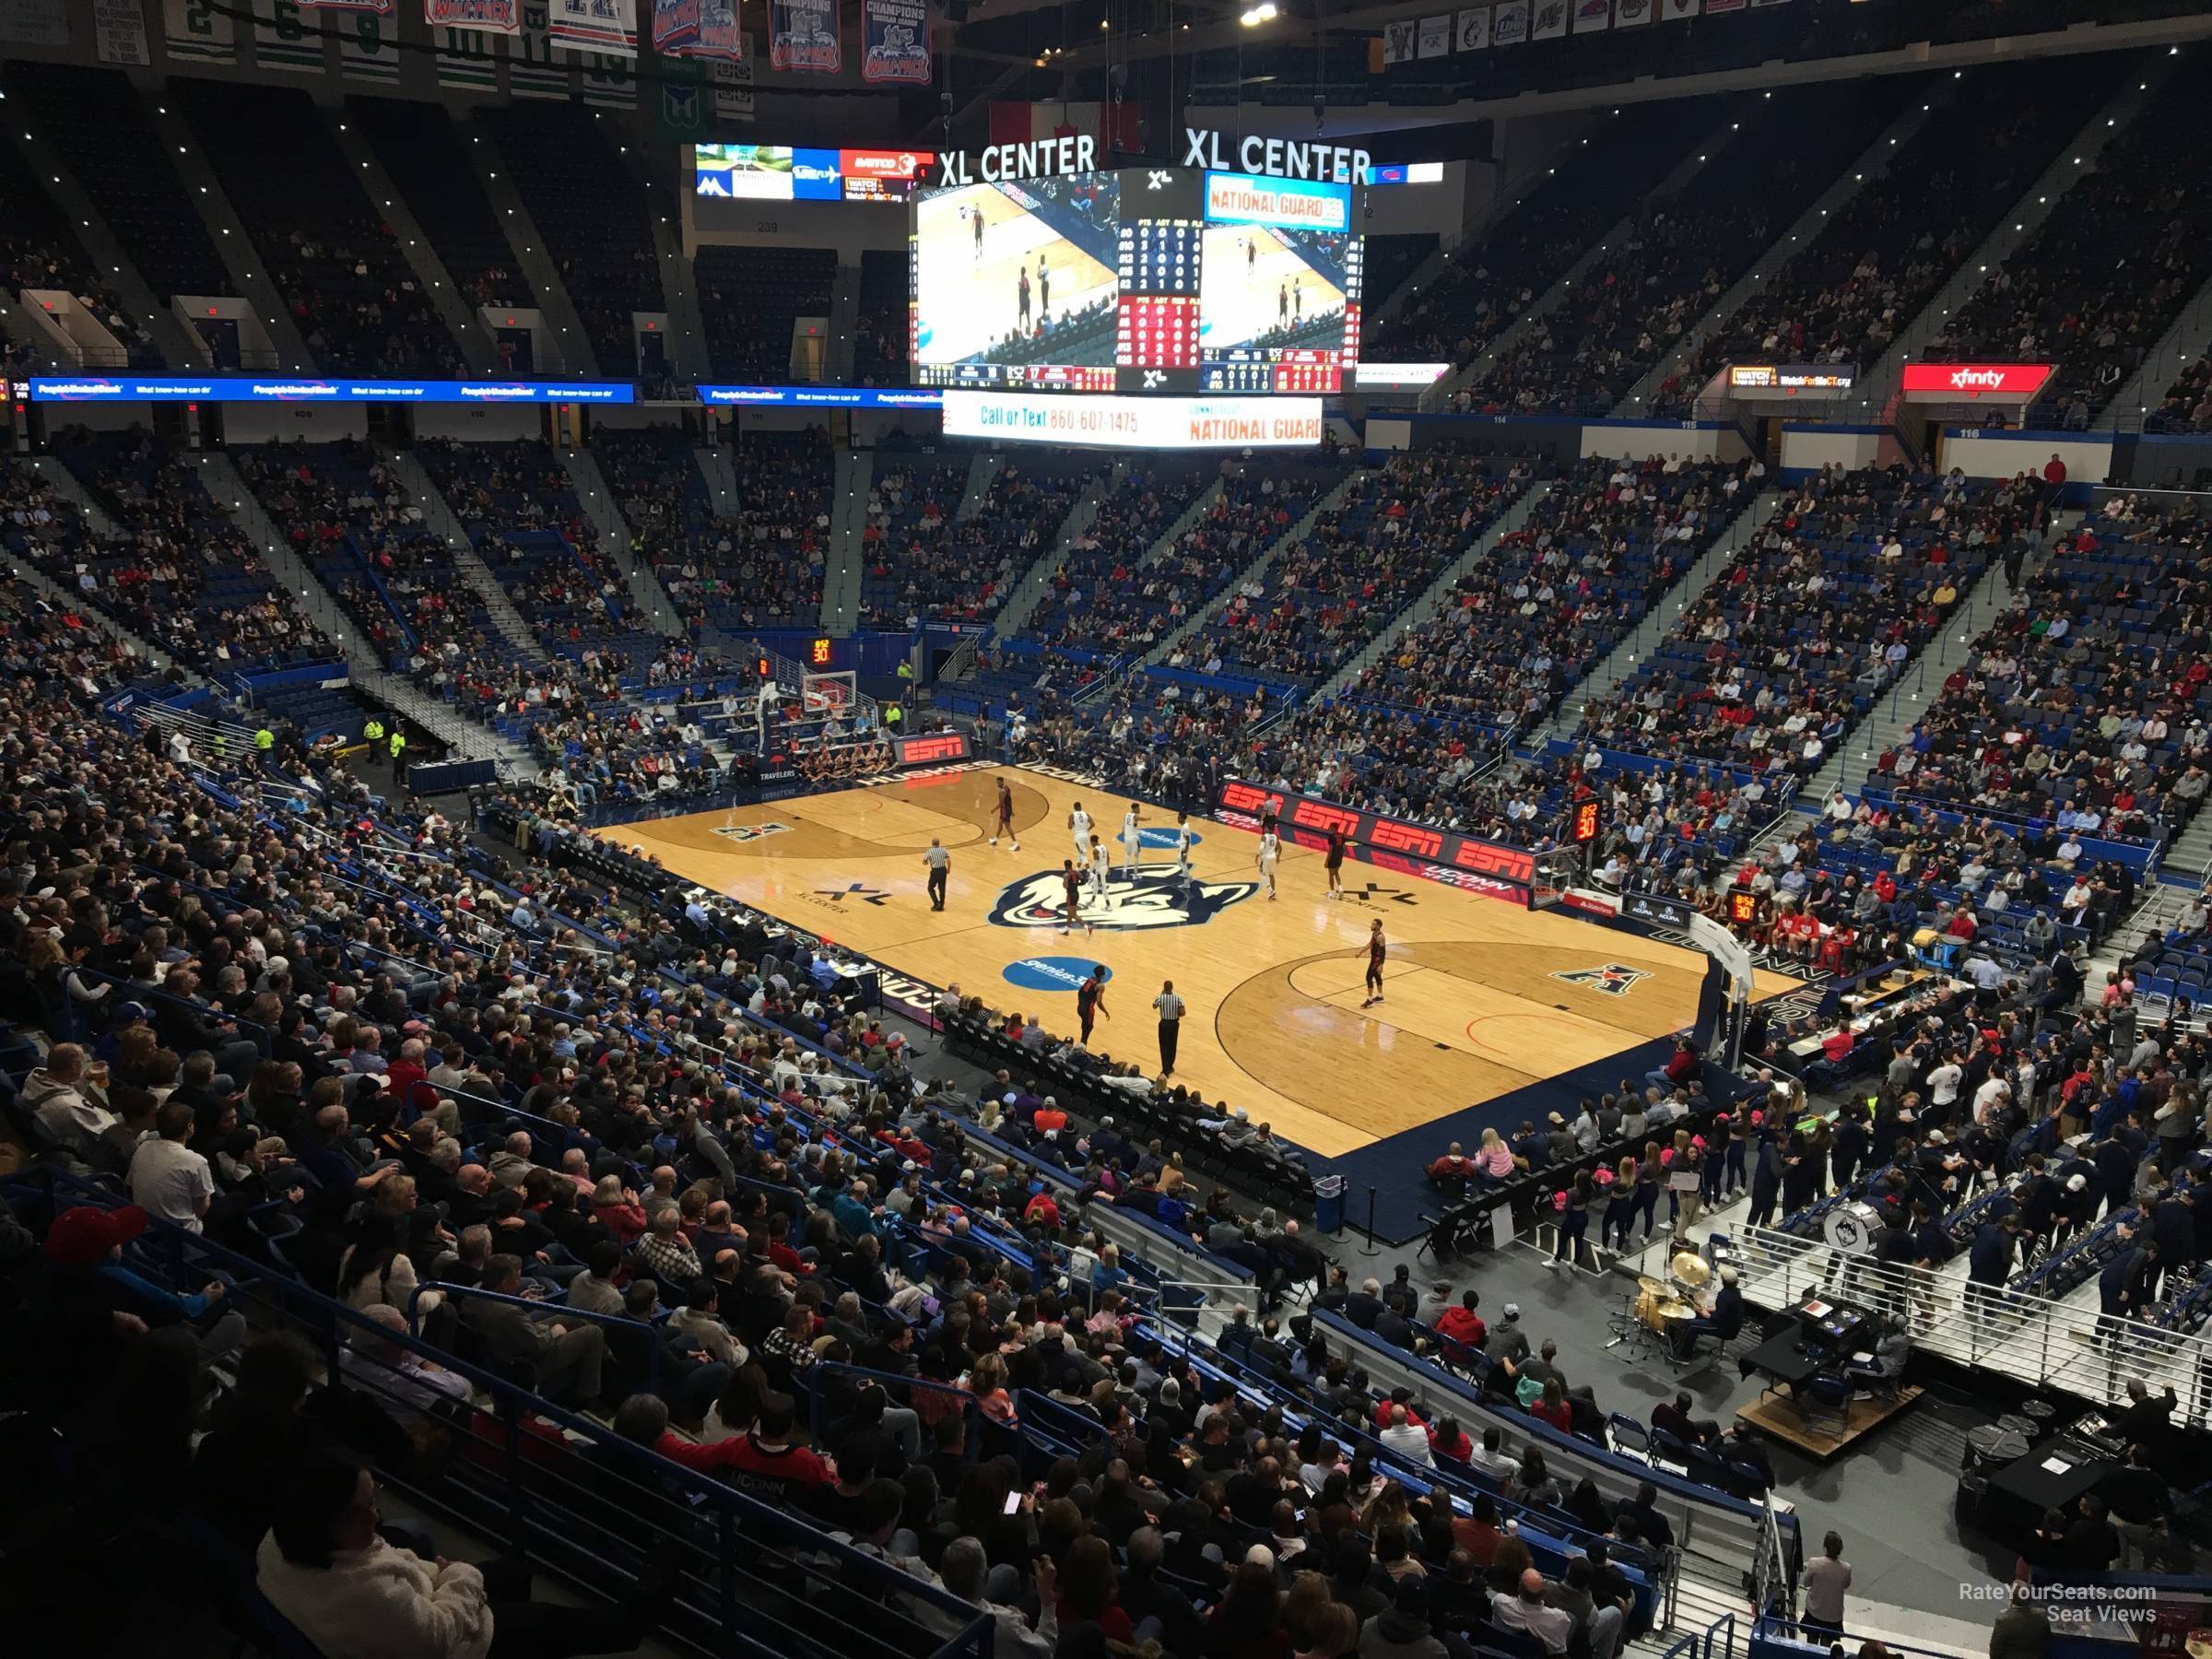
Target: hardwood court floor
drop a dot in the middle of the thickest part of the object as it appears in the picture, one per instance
(1475, 1006)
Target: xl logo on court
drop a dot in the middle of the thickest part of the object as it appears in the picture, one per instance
(751, 833)
(1612, 980)
(1162, 900)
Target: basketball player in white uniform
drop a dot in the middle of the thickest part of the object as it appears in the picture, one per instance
(1271, 849)
(1184, 837)
(1101, 869)
(1078, 829)
(1131, 841)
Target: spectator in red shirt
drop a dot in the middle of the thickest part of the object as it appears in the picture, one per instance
(1453, 1170)
(1462, 1324)
(764, 1462)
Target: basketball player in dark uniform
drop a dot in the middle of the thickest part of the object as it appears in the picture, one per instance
(976, 216)
(1376, 950)
(1090, 1000)
(1021, 297)
(1006, 817)
(1071, 882)
(1334, 861)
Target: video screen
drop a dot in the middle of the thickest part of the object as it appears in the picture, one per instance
(1016, 284)
(780, 172)
(1278, 286)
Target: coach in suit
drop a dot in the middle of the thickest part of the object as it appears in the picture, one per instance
(563, 1362)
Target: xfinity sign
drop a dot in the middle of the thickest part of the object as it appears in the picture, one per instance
(1944, 382)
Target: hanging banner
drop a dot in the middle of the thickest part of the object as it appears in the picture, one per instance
(34, 23)
(802, 34)
(675, 27)
(607, 26)
(119, 31)
(382, 8)
(193, 31)
(1474, 29)
(1590, 16)
(1398, 42)
(733, 89)
(1435, 36)
(1628, 14)
(369, 49)
(698, 29)
(466, 59)
(894, 42)
(531, 69)
(1509, 22)
(1674, 11)
(684, 108)
(477, 16)
(282, 38)
(1714, 9)
(1547, 20)
(609, 81)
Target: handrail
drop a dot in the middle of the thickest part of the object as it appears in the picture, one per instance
(531, 1305)
(329, 1321)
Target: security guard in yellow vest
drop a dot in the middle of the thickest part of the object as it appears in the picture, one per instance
(265, 740)
(399, 742)
(372, 731)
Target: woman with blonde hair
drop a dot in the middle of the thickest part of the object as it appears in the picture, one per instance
(987, 1383)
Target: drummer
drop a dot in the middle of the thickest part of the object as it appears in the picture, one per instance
(1722, 1321)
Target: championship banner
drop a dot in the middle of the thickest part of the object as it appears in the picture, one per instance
(698, 29)
(282, 42)
(368, 48)
(1475, 28)
(1509, 22)
(1398, 42)
(894, 42)
(1435, 36)
(1490, 869)
(604, 26)
(1547, 20)
(119, 31)
(1674, 11)
(1590, 16)
(193, 31)
(477, 16)
(1628, 14)
(802, 34)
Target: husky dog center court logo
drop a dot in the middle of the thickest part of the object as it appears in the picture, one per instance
(1155, 898)
(751, 833)
(1612, 980)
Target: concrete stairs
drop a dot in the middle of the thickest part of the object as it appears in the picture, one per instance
(2180, 344)
(981, 471)
(250, 279)
(2190, 854)
(181, 346)
(1425, 603)
(366, 671)
(1915, 690)
(453, 310)
(845, 561)
(1621, 663)
(721, 475)
(605, 515)
(438, 518)
(1257, 566)
(842, 348)
(1874, 158)
(531, 256)
(1439, 396)
(2073, 163)
(70, 488)
(687, 340)
(1022, 601)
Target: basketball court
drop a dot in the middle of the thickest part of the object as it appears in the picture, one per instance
(1486, 1004)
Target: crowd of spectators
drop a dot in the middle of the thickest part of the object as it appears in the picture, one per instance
(2080, 709)
(1105, 596)
(1340, 584)
(755, 562)
(1901, 234)
(2103, 276)
(926, 561)
(2186, 404)
(39, 250)
(1820, 611)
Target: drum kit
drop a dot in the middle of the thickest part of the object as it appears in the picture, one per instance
(1659, 1308)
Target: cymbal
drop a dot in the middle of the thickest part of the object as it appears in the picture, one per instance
(1691, 1268)
(1650, 1286)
